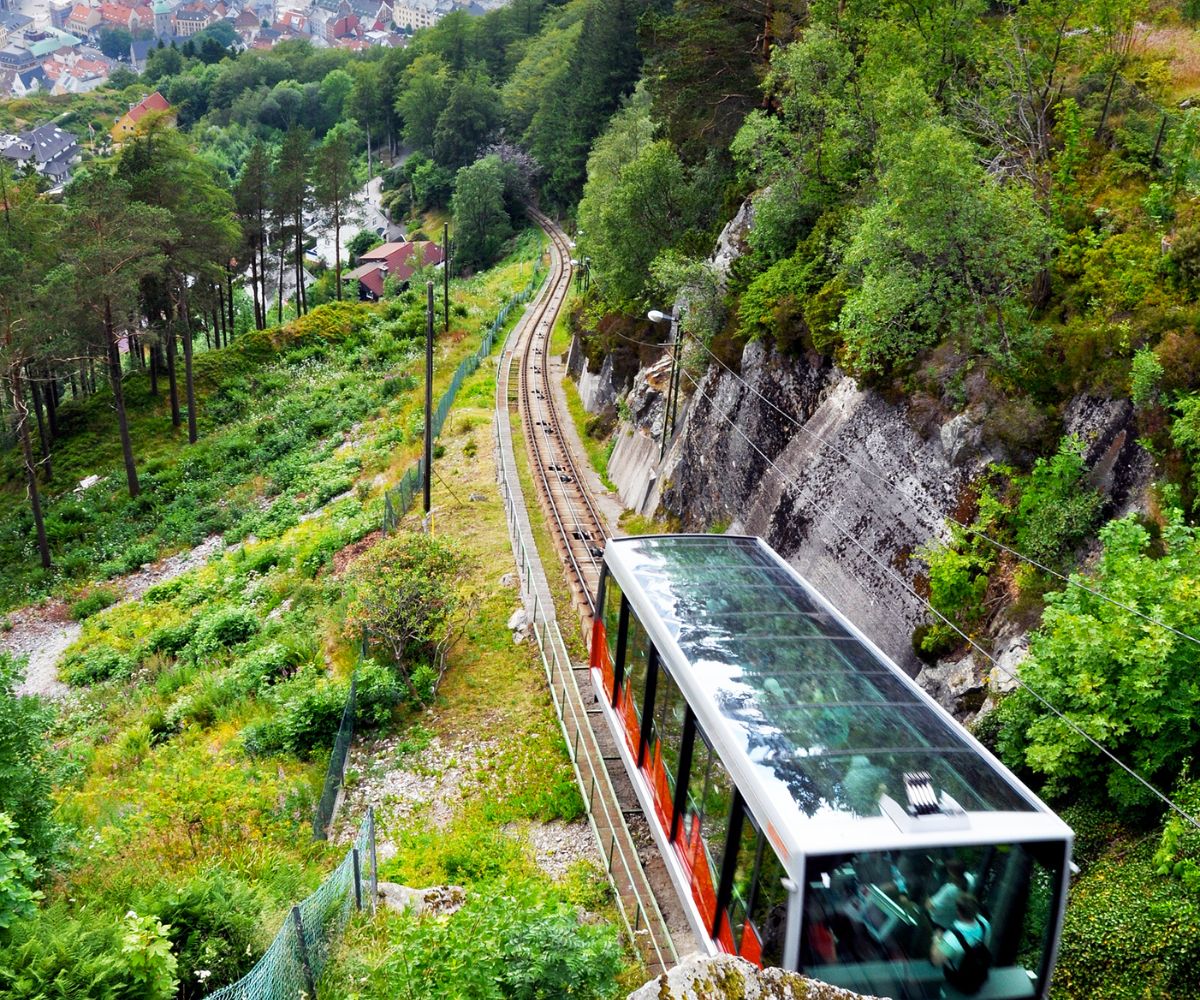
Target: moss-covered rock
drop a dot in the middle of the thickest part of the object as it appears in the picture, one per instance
(724, 977)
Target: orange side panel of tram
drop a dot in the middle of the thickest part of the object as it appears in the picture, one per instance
(751, 945)
(633, 727)
(600, 657)
(663, 802)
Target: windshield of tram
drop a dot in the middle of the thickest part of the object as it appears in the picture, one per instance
(891, 923)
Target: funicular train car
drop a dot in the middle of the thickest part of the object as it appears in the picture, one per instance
(815, 808)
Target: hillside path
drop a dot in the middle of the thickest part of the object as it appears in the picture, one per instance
(43, 632)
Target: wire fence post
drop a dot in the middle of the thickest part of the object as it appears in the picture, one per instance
(309, 978)
(357, 880)
(374, 859)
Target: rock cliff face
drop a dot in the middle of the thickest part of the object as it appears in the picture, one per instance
(836, 477)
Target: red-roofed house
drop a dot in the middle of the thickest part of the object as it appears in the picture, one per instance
(392, 260)
(127, 122)
(82, 19)
(120, 16)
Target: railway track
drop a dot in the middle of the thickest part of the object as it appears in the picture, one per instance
(576, 525)
(636, 870)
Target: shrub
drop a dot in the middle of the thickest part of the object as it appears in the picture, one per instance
(223, 628)
(1058, 509)
(1112, 675)
(1128, 933)
(146, 950)
(262, 667)
(96, 663)
(213, 924)
(310, 713)
(94, 601)
(1178, 853)
(170, 639)
(407, 592)
(18, 874)
(57, 956)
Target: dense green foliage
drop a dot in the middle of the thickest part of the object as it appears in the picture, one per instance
(1127, 683)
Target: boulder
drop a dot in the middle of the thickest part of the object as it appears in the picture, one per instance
(957, 685)
(437, 901)
(720, 977)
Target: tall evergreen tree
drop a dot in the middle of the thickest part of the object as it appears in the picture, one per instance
(253, 196)
(111, 242)
(333, 184)
(27, 232)
(290, 190)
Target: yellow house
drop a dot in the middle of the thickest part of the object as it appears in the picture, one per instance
(128, 122)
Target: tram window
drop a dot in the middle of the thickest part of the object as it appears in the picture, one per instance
(637, 658)
(768, 904)
(875, 922)
(714, 823)
(697, 778)
(612, 615)
(746, 864)
(667, 737)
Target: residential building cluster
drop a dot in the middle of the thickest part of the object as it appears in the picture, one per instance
(47, 59)
(64, 56)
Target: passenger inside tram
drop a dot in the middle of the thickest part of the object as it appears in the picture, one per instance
(869, 917)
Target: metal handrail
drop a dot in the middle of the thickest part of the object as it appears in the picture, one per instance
(557, 665)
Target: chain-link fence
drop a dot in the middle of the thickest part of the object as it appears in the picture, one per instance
(337, 766)
(291, 966)
(398, 501)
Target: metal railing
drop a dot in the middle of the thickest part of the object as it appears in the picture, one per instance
(640, 913)
(292, 965)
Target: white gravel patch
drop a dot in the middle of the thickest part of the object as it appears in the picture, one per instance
(43, 632)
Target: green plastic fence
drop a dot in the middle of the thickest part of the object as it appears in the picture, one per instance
(291, 966)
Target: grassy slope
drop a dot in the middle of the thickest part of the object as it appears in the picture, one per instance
(270, 427)
(153, 764)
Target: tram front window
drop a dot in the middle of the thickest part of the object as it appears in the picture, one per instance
(889, 923)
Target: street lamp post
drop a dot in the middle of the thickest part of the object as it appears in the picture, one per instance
(672, 397)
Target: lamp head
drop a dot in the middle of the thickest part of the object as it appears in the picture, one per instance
(657, 316)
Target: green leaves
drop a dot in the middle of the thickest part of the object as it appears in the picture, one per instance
(943, 249)
(18, 875)
(1126, 682)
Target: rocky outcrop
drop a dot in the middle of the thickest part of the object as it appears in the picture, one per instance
(437, 901)
(848, 485)
(832, 475)
(724, 977)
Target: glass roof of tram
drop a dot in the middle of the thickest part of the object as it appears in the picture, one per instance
(812, 705)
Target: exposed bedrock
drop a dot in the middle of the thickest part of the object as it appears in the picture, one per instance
(845, 483)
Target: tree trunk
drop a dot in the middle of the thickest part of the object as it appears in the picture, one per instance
(43, 437)
(52, 403)
(232, 311)
(172, 380)
(279, 314)
(114, 367)
(154, 370)
(35, 497)
(337, 246)
(258, 321)
(1107, 101)
(188, 382)
(262, 269)
(219, 315)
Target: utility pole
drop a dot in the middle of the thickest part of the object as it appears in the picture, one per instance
(429, 314)
(446, 273)
(672, 396)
